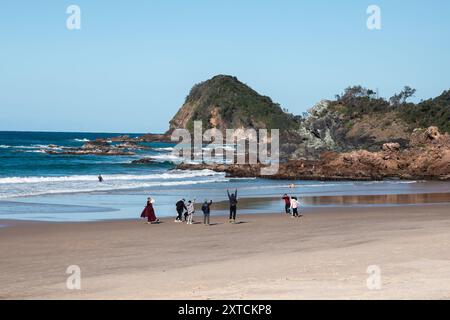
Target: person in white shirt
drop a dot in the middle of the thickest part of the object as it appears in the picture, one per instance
(294, 205)
(190, 211)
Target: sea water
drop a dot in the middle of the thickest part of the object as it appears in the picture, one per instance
(35, 185)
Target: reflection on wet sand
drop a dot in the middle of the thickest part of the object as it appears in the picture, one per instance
(273, 204)
(394, 199)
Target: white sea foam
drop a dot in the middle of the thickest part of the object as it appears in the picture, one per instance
(403, 182)
(164, 149)
(81, 140)
(106, 187)
(31, 147)
(35, 151)
(167, 157)
(31, 186)
(392, 182)
(175, 174)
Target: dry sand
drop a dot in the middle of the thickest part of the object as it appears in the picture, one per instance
(324, 255)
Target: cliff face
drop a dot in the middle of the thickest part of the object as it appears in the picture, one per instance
(328, 128)
(359, 119)
(224, 102)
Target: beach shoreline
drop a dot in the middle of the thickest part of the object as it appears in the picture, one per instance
(324, 255)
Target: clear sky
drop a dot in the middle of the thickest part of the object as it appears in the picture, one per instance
(132, 63)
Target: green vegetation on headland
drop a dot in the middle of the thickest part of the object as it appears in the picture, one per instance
(224, 102)
(430, 112)
(357, 102)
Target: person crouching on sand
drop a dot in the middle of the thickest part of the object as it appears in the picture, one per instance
(206, 208)
(181, 207)
(149, 212)
(287, 203)
(294, 205)
(190, 212)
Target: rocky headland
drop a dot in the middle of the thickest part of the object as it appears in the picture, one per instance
(357, 136)
(426, 157)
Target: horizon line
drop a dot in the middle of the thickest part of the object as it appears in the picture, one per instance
(56, 131)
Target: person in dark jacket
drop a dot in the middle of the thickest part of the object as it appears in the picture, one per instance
(206, 208)
(181, 207)
(233, 205)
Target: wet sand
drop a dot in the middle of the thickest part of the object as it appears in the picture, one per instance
(324, 255)
(346, 200)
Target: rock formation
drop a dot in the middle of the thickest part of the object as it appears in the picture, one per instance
(428, 157)
(96, 147)
(224, 102)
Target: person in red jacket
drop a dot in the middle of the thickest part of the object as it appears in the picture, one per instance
(287, 203)
(149, 212)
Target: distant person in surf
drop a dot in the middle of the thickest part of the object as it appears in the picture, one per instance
(190, 212)
(181, 207)
(294, 205)
(100, 178)
(287, 203)
(149, 212)
(233, 205)
(206, 208)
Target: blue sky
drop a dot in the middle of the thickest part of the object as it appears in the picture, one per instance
(132, 63)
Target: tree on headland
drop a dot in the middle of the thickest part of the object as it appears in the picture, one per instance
(402, 97)
(354, 92)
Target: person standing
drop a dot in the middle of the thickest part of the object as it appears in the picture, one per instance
(287, 203)
(181, 207)
(206, 208)
(149, 212)
(294, 204)
(190, 212)
(233, 205)
(100, 178)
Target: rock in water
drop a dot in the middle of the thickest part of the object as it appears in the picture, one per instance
(143, 161)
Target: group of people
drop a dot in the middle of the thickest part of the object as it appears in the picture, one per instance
(291, 203)
(186, 210)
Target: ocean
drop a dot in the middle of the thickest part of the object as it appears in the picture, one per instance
(35, 185)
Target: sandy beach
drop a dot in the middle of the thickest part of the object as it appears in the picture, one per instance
(324, 255)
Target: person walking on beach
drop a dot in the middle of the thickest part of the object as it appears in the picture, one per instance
(181, 207)
(294, 205)
(206, 208)
(149, 212)
(287, 203)
(233, 205)
(190, 212)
